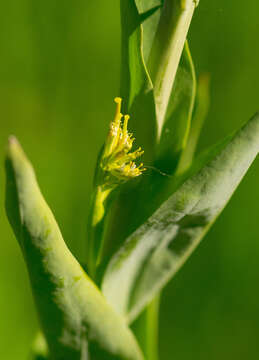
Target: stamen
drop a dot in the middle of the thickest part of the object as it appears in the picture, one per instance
(125, 124)
(125, 129)
(117, 158)
(118, 114)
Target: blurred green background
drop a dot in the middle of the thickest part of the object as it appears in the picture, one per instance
(59, 73)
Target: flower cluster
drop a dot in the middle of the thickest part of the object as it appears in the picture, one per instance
(118, 162)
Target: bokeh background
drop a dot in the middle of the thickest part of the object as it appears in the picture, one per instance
(59, 72)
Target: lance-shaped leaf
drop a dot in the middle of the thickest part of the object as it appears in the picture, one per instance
(155, 251)
(75, 318)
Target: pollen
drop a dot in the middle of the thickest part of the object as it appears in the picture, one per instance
(118, 161)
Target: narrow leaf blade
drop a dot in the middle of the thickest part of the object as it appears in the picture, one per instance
(75, 317)
(152, 255)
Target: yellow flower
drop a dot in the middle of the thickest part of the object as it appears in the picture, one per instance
(118, 161)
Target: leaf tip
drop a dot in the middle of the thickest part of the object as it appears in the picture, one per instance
(13, 147)
(12, 140)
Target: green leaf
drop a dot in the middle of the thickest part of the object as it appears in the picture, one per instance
(179, 115)
(75, 317)
(154, 252)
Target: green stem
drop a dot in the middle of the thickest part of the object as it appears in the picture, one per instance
(96, 227)
(152, 329)
(146, 329)
(167, 49)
